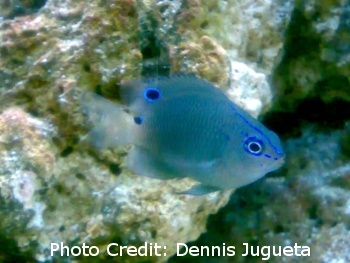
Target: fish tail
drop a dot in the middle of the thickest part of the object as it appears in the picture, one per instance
(111, 125)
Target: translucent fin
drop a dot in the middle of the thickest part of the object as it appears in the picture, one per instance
(111, 125)
(200, 189)
(131, 92)
(142, 162)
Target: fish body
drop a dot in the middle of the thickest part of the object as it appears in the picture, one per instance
(183, 126)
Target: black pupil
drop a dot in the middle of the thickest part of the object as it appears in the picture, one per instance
(152, 94)
(254, 147)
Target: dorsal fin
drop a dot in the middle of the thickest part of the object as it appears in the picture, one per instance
(170, 86)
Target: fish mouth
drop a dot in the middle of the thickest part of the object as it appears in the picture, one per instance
(280, 161)
(277, 164)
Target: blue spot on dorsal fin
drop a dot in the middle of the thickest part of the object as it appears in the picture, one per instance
(152, 94)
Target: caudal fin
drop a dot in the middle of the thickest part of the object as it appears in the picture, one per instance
(111, 125)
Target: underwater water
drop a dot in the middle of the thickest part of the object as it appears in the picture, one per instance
(67, 190)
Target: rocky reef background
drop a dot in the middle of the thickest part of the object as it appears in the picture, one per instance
(286, 60)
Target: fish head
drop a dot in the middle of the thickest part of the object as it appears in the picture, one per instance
(259, 152)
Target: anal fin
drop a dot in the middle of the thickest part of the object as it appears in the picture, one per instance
(200, 189)
(143, 162)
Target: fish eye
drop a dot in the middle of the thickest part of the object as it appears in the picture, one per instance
(152, 94)
(253, 146)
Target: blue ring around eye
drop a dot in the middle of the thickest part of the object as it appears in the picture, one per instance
(254, 146)
(152, 94)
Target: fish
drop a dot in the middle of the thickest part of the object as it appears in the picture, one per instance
(184, 126)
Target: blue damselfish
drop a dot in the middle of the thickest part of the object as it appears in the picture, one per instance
(183, 126)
